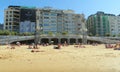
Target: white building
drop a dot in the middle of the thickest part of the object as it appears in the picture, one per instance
(59, 21)
(114, 22)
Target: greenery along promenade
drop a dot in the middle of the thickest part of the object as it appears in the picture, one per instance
(7, 32)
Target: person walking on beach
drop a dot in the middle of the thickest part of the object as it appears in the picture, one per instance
(18, 43)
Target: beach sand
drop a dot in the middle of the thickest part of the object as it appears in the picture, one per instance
(66, 59)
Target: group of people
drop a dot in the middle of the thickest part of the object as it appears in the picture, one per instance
(12, 46)
(79, 46)
(115, 47)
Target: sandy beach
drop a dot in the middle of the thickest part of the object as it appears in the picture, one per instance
(66, 59)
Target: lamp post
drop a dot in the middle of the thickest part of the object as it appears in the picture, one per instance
(9, 36)
(84, 38)
(84, 31)
(37, 30)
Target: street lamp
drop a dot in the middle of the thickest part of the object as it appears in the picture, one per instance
(84, 31)
(84, 38)
(37, 30)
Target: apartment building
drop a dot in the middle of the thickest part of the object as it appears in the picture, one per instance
(102, 24)
(58, 21)
(49, 20)
(12, 18)
(27, 19)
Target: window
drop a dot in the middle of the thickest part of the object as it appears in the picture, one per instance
(6, 23)
(6, 15)
(78, 28)
(6, 27)
(46, 24)
(46, 13)
(66, 14)
(53, 14)
(10, 15)
(79, 24)
(9, 23)
(10, 27)
(10, 11)
(59, 14)
(53, 21)
(46, 17)
(112, 29)
(6, 12)
(10, 19)
(6, 19)
(41, 17)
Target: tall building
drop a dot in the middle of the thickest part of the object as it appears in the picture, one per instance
(12, 18)
(59, 21)
(27, 19)
(50, 20)
(101, 24)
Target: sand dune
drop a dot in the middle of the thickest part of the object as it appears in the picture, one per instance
(66, 59)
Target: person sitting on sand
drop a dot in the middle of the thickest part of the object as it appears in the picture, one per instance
(12, 47)
(81, 46)
(36, 50)
(94, 44)
(109, 46)
(65, 43)
(76, 46)
(117, 46)
(8, 46)
(58, 46)
(30, 47)
(18, 43)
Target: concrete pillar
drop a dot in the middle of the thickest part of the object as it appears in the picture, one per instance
(39, 41)
(68, 40)
(59, 40)
(49, 40)
(77, 41)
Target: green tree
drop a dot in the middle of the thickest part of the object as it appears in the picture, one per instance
(6, 32)
(118, 35)
(1, 32)
(90, 34)
(27, 34)
(57, 34)
(97, 35)
(64, 33)
(107, 34)
(50, 33)
(114, 35)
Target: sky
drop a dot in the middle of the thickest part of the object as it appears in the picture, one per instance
(87, 7)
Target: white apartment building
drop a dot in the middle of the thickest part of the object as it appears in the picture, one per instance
(59, 21)
(114, 22)
(12, 18)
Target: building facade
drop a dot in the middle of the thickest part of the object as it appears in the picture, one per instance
(102, 24)
(12, 18)
(50, 20)
(27, 20)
